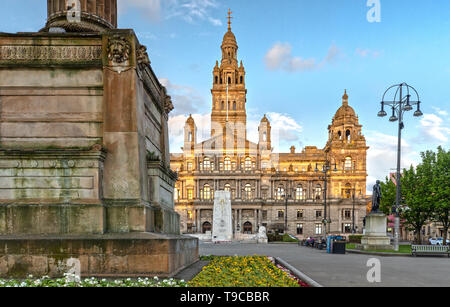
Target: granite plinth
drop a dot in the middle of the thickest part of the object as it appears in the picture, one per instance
(109, 255)
(375, 237)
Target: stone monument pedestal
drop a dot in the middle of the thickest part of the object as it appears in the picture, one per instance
(375, 235)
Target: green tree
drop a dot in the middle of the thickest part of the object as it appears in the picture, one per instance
(416, 196)
(388, 193)
(441, 188)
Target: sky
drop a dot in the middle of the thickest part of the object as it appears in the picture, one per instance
(299, 56)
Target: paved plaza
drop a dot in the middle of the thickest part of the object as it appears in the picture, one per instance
(350, 270)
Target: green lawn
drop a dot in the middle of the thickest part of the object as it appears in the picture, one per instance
(404, 249)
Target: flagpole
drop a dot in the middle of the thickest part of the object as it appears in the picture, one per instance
(227, 99)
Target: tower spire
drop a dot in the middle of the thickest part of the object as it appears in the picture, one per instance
(229, 19)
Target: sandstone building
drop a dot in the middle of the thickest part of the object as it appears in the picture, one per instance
(84, 155)
(258, 178)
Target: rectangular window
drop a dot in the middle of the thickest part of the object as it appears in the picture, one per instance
(280, 214)
(264, 215)
(347, 214)
(189, 166)
(347, 228)
(318, 229)
(300, 213)
(299, 229)
(190, 194)
(318, 214)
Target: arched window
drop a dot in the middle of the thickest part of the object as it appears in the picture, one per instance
(248, 164)
(217, 79)
(227, 188)
(347, 135)
(229, 80)
(248, 191)
(234, 105)
(347, 193)
(299, 192)
(227, 163)
(242, 79)
(206, 164)
(190, 136)
(348, 163)
(280, 192)
(206, 192)
(223, 105)
(340, 135)
(318, 192)
(265, 137)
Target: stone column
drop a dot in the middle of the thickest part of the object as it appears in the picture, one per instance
(240, 221)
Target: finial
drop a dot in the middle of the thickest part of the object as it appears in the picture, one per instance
(229, 19)
(345, 98)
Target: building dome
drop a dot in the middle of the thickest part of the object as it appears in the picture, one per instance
(229, 39)
(345, 110)
(264, 119)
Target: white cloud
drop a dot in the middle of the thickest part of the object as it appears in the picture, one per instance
(433, 130)
(189, 10)
(368, 52)
(279, 57)
(186, 100)
(382, 156)
(440, 111)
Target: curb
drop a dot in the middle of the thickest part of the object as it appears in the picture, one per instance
(299, 274)
(355, 251)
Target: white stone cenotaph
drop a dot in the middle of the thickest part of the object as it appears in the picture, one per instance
(222, 229)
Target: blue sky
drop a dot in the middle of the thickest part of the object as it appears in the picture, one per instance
(299, 56)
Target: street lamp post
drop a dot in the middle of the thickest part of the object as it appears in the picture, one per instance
(353, 212)
(325, 169)
(286, 196)
(400, 104)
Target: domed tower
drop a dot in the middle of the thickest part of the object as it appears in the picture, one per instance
(229, 92)
(264, 131)
(265, 143)
(81, 15)
(190, 134)
(347, 148)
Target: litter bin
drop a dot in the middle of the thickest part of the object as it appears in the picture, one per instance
(338, 245)
(330, 244)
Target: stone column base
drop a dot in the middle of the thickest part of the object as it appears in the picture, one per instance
(109, 255)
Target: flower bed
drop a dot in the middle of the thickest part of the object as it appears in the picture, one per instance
(71, 281)
(249, 271)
